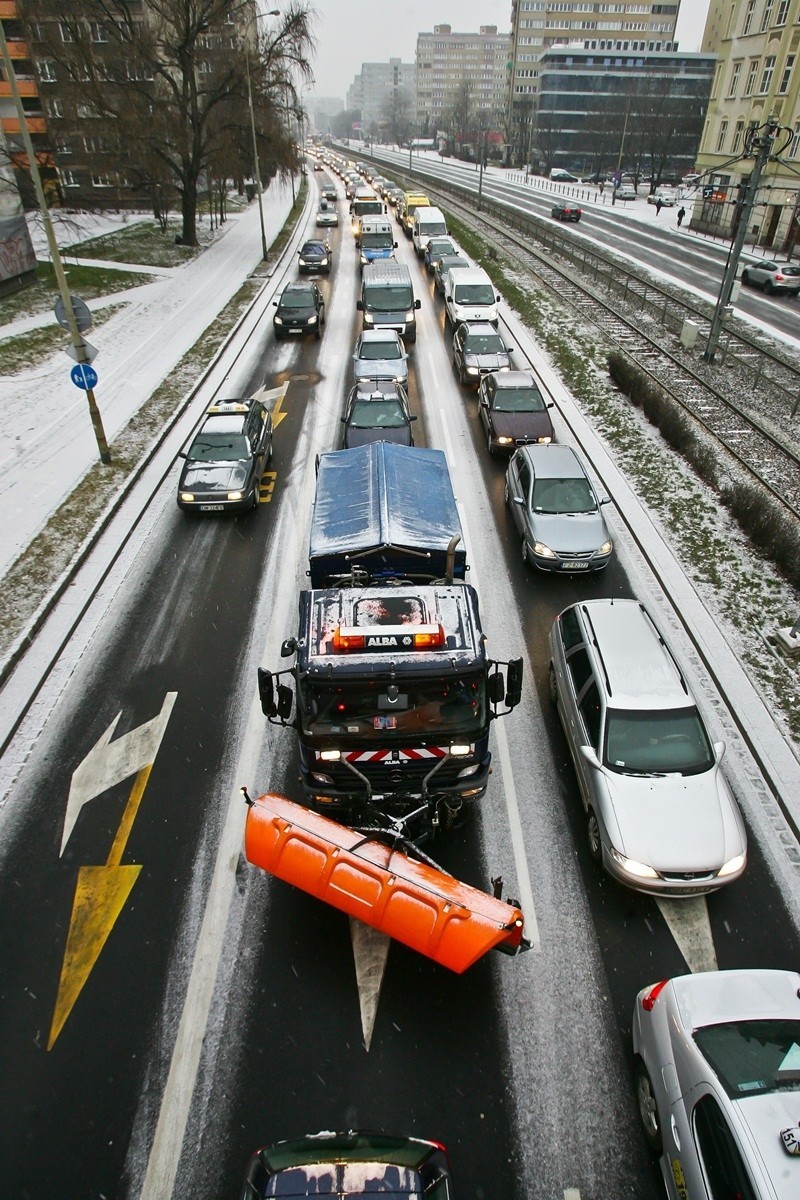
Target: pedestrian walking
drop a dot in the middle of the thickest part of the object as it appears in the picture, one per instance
(681, 215)
(659, 206)
(601, 186)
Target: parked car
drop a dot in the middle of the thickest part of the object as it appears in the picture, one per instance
(477, 349)
(716, 1076)
(377, 411)
(448, 262)
(437, 247)
(566, 211)
(301, 309)
(559, 175)
(513, 411)
(379, 353)
(350, 1164)
(315, 258)
(660, 816)
(227, 458)
(557, 511)
(626, 191)
(327, 214)
(772, 276)
(664, 194)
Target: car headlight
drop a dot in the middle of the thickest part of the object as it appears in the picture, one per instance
(606, 548)
(323, 262)
(235, 495)
(632, 867)
(302, 262)
(187, 497)
(277, 320)
(544, 441)
(368, 319)
(732, 865)
(312, 320)
(543, 551)
(504, 441)
(473, 371)
(364, 260)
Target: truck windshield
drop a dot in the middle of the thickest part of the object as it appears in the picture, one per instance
(363, 208)
(474, 293)
(377, 241)
(380, 712)
(388, 298)
(432, 228)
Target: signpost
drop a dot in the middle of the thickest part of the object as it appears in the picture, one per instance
(83, 376)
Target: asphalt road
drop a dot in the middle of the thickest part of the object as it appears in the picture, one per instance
(521, 1066)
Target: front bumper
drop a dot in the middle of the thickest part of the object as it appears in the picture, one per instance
(671, 886)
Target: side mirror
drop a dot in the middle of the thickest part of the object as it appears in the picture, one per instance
(266, 693)
(417, 304)
(412, 417)
(497, 687)
(719, 751)
(498, 297)
(359, 305)
(605, 499)
(288, 648)
(182, 454)
(590, 756)
(510, 349)
(343, 420)
(285, 699)
(394, 245)
(274, 303)
(514, 689)
(518, 499)
(550, 404)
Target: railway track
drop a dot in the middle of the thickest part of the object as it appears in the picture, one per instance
(756, 432)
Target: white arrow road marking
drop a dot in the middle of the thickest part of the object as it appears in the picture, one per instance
(370, 951)
(108, 763)
(689, 924)
(266, 394)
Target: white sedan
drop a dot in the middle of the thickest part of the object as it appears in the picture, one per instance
(717, 1071)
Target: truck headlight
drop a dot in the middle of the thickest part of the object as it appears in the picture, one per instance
(632, 867)
(409, 316)
(543, 551)
(465, 772)
(318, 777)
(330, 755)
(458, 750)
(235, 495)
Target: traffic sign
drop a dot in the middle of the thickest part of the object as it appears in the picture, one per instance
(90, 352)
(708, 191)
(83, 376)
(81, 310)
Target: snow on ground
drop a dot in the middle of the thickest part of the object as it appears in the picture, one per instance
(46, 437)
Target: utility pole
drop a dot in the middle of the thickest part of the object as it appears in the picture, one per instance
(256, 167)
(81, 355)
(480, 177)
(761, 140)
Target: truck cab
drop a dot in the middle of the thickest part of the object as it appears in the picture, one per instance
(387, 298)
(376, 240)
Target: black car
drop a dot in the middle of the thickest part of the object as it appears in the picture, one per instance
(477, 349)
(377, 411)
(437, 247)
(566, 211)
(350, 1164)
(315, 257)
(227, 458)
(301, 309)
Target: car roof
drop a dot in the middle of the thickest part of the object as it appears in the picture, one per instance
(313, 242)
(223, 423)
(554, 461)
(372, 388)
(379, 335)
(479, 328)
(717, 997)
(299, 285)
(474, 275)
(515, 379)
(639, 669)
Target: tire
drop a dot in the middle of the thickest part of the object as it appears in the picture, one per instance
(551, 686)
(646, 1104)
(593, 836)
(462, 377)
(745, 276)
(769, 288)
(254, 505)
(506, 494)
(525, 553)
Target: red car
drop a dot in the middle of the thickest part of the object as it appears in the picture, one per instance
(566, 212)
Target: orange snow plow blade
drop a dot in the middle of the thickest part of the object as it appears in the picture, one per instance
(431, 912)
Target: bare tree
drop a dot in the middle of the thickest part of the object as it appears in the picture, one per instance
(460, 114)
(397, 116)
(164, 81)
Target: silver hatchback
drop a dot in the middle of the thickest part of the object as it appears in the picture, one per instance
(660, 815)
(772, 276)
(557, 511)
(379, 354)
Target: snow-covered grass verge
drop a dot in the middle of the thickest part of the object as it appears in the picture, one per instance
(738, 584)
(144, 243)
(26, 350)
(87, 282)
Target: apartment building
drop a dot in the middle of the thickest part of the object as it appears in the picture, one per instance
(28, 85)
(444, 59)
(376, 90)
(758, 44)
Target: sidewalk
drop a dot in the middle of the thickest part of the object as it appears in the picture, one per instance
(46, 439)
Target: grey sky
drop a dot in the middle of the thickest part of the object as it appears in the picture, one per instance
(350, 32)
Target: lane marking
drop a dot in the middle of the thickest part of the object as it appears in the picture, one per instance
(267, 486)
(277, 395)
(689, 924)
(370, 952)
(108, 763)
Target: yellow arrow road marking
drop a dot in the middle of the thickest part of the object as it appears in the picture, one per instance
(267, 486)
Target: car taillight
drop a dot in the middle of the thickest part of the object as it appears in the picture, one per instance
(779, 278)
(650, 998)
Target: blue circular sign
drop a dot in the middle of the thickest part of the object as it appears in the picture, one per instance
(83, 376)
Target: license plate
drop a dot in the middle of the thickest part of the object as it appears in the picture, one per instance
(295, 331)
(575, 566)
(212, 508)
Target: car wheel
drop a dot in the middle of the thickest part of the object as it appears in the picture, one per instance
(525, 552)
(506, 494)
(648, 1110)
(769, 287)
(593, 834)
(256, 498)
(551, 685)
(462, 377)
(745, 276)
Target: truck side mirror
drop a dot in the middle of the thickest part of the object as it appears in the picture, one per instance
(417, 304)
(266, 693)
(497, 687)
(394, 245)
(285, 699)
(514, 690)
(359, 305)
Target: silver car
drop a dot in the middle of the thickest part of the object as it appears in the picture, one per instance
(379, 354)
(772, 276)
(557, 511)
(717, 1063)
(660, 816)
(327, 214)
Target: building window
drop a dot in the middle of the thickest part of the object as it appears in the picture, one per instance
(738, 134)
(54, 108)
(723, 134)
(63, 148)
(766, 77)
(734, 83)
(97, 32)
(787, 74)
(795, 146)
(66, 32)
(102, 181)
(751, 77)
(69, 179)
(783, 9)
(47, 71)
(748, 16)
(765, 20)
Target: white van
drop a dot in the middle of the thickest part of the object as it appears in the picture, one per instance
(428, 222)
(469, 295)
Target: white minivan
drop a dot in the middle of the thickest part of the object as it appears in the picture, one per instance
(428, 222)
(470, 295)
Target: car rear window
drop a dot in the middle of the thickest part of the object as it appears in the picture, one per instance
(753, 1057)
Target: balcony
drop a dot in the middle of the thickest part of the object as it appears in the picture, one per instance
(27, 87)
(8, 9)
(35, 125)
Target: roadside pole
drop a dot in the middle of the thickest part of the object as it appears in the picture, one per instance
(81, 356)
